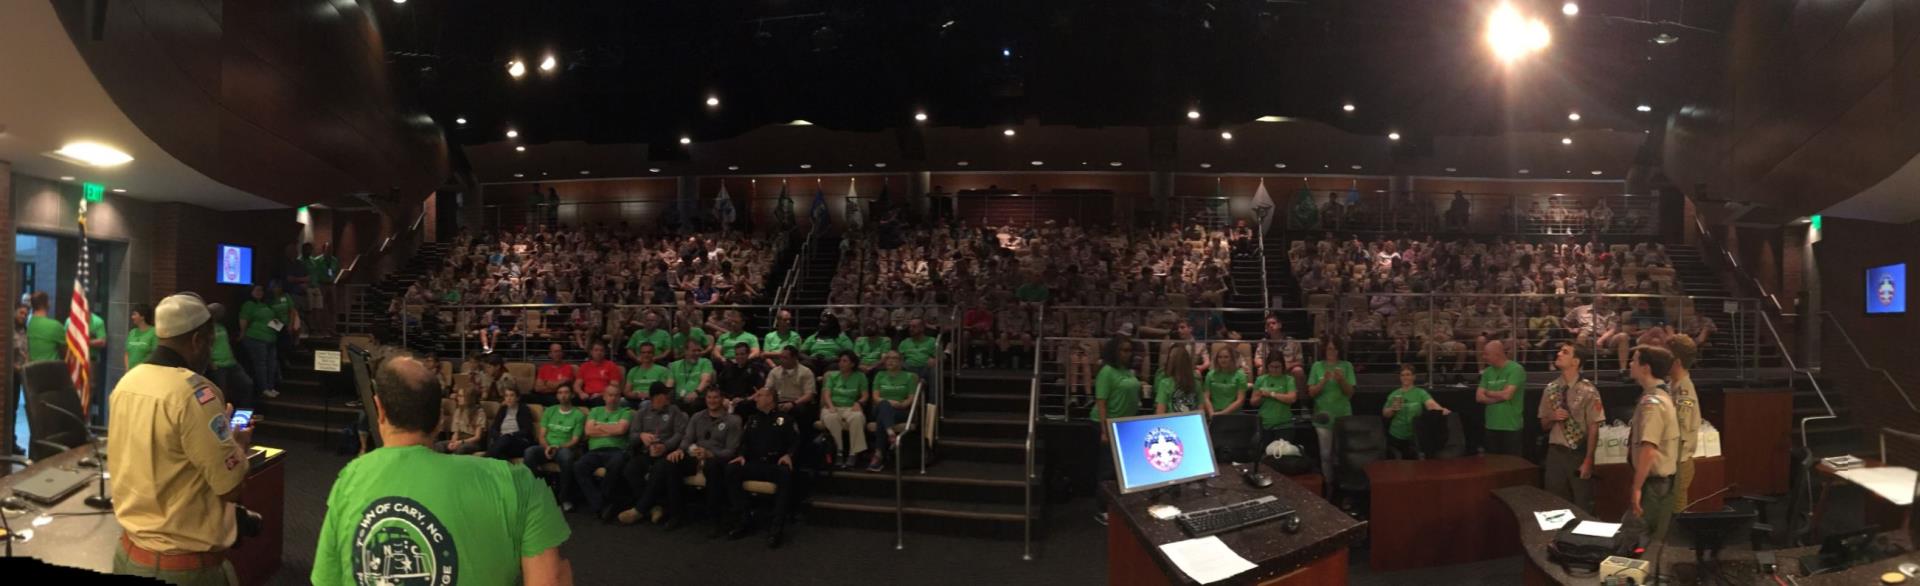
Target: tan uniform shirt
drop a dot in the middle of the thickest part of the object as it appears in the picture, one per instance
(1654, 421)
(171, 456)
(789, 384)
(1686, 406)
(1584, 412)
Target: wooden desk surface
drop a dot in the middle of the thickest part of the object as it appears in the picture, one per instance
(1324, 530)
(1441, 512)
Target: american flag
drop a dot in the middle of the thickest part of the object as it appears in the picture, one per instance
(79, 322)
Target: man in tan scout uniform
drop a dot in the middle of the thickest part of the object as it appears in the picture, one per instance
(176, 466)
(1571, 413)
(1654, 442)
(1686, 406)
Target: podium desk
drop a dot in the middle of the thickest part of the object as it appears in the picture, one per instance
(82, 537)
(1441, 512)
(1315, 555)
(1613, 487)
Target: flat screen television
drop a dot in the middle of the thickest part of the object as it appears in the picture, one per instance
(1887, 289)
(1152, 451)
(235, 266)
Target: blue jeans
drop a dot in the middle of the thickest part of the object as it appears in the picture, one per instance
(265, 357)
(885, 416)
(610, 458)
(536, 458)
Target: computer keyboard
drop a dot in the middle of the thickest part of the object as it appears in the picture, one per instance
(1225, 518)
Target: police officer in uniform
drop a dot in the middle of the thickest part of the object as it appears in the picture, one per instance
(1654, 442)
(175, 463)
(1686, 405)
(767, 445)
(1571, 413)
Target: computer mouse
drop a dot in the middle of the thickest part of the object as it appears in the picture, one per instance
(1291, 525)
(1257, 480)
(13, 503)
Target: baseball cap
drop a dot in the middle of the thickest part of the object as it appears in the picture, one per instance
(180, 313)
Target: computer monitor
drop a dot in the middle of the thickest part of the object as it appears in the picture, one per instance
(1152, 451)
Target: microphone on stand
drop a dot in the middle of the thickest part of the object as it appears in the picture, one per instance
(100, 499)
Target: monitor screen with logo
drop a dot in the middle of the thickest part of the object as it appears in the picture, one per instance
(235, 266)
(1887, 289)
(1152, 451)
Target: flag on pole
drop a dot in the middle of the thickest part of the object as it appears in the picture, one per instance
(79, 324)
(1263, 206)
(723, 208)
(856, 216)
(821, 216)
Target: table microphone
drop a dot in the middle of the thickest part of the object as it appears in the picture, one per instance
(89, 461)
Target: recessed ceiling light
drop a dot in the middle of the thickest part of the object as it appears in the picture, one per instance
(511, 133)
(1569, 171)
(653, 170)
(585, 172)
(1206, 165)
(519, 175)
(1279, 165)
(1525, 171)
(1271, 119)
(1039, 163)
(399, 1)
(1665, 39)
(1596, 172)
(713, 101)
(516, 69)
(1347, 107)
(1356, 167)
(962, 163)
(92, 154)
(461, 120)
(1452, 169)
(799, 122)
(1226, 136)
(919, 116)
(1393, 136)
(66, 177)
(1573, 116)
(520, 149)
(686, 140)
(1570, 9)
(806, 165)
(1113, 163)
(1643, 108)
(1008, 132)
(880, 165)
(548, 64)
(733, 167)
(119, 190)
(1567, 140)
(1193, 114)
(1006, 52)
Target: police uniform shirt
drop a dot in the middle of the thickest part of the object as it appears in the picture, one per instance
(1686, 406)
(1584, 411)
(1654, 420)
(766, 437)
(171, 457)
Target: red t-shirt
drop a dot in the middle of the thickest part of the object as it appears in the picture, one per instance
(979, 319)
(554, 372)
(596, 376)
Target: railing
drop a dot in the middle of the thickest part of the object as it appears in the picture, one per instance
(1537, 214)
(899, 481)
(1733, 264)
(801, 260)
(1867, 365)
(410, 241)
(1033, 418)
(1887, 458)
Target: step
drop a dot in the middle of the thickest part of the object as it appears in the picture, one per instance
(953, 480)
(997, 451)
(997, 425)
(995, 521)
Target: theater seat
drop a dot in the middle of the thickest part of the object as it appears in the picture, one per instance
(1440, 436)
(1358, 440)
(699, 480)
(523, 375)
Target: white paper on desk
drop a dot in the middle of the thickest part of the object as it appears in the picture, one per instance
(1596, 529)
(1206, 560)
(1894, 483)
(1553, 520)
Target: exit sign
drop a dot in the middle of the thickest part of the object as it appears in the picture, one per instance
(95, 192)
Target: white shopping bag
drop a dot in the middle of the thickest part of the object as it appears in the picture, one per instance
(1707, 444)
(1612, 448)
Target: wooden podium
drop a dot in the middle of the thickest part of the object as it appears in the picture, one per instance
(1440, 512)
(1317, 554)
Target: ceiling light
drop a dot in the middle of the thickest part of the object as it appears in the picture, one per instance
(119, 190)
(1356, 167)
(1206, 165)
(548, 64)
(1008, 132)
(1573, 116)
(733, 167)
(516, 69)
(1393, 136)
(585, 172)
(806, 166)
(1644, 108)
(1566, 140)
(798, 122)
(919, 116)
(653, 170)
(1271, 119)
(1512, 36)
(1568, 172)
(519, 175)
(1347, 107)
(1113, 164)
(1006, 52)
(399, 1)
(543, 173)
(713, 101)
(511, 133)
(1452, 169)
(66, 177)
(1279, 165)
(1193, 114)
(1525, 171)
(882, 165)
(92, 154)
(1226, 136)
(1039, 163)
(1570, 9)
(962, 163)
(1665, 39)
(1596, 172)
(461, 120)
(520, 149)
(686, 140)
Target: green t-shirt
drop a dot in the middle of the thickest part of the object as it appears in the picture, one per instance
(1505, 415)
(222, 351)
(1031, 293)
(257, 315)
(283, 308)
(843, 390)
(640, 379)
(1120, 389)
(871, 348)
(1274, 413)
(895, 386)
(686, 374)
(1331, 401)
(96, 327)
(679, 341)
(320, 268)
(1165, 392)
(45, 338)
(139, 345)
(1223, 386)
(1414, 402)
(775, 341)
(729, 341)
(916, 353)
(819, 347)
(453, 518)
(660, 339)
(563, 426)
(602, 415)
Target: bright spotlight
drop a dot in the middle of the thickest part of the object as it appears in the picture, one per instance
(1570, 9)
(548, 64)
(92, 154)
(1512, 36)
(519, 149)
(1393, 136)
(516, 69)
(460, 120)
(919, 116)
(1644, 108)
(1347, 108)
(1008, 132)
(713, 101)
(1573, 116)
(511, 133)
(1193, 114)
(1226, 136)
(686, 140)
(1566, 141)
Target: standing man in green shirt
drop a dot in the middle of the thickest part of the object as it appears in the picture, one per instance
(1330, 383)
(321, 270)
(606, 432)
(1503, 390)
(1404, 405)
(404, 509)
(562, 428)
(46, 338)
(227, 373)
(649, 333)
(140, 339)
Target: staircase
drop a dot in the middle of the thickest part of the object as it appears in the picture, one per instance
(816, 283)
(974, 487)
(304, 408)
(1245, 292)
(1694, 277)
(367, 306)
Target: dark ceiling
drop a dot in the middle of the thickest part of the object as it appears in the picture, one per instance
(640, 71)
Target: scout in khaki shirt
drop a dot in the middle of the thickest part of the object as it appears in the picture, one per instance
(175, 463)
(1654, 442)
(1571, 414)
(1686, 406)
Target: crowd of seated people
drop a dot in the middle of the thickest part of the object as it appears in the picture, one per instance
(595, 265)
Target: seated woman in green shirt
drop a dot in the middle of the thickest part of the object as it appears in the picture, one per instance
(1176, 390)
(1404, 405)
(846, 391)
(1274, 394)
(1226, 384)
(894, 390)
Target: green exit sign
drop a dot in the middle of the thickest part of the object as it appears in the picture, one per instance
(1815, 221)
(95, 192)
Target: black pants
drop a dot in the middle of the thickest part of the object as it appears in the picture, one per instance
(1402, 449)
(613, 459)
(238, 387)
(1503, 442)
(769, 471)
(638, 491)
(509, 446)
(670, 477)
(10, 405)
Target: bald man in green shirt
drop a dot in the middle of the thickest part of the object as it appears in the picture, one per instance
(1503, 390)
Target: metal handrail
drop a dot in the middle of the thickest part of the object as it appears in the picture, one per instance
(1033, 418)
(1817, 391)
(899, 483)
(1869, 366)
(1706, 235)
(800, 262)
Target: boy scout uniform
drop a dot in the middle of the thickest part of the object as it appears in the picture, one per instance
(1655, 421)
(171, 457)
(1686, 406)
(1567, 440)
